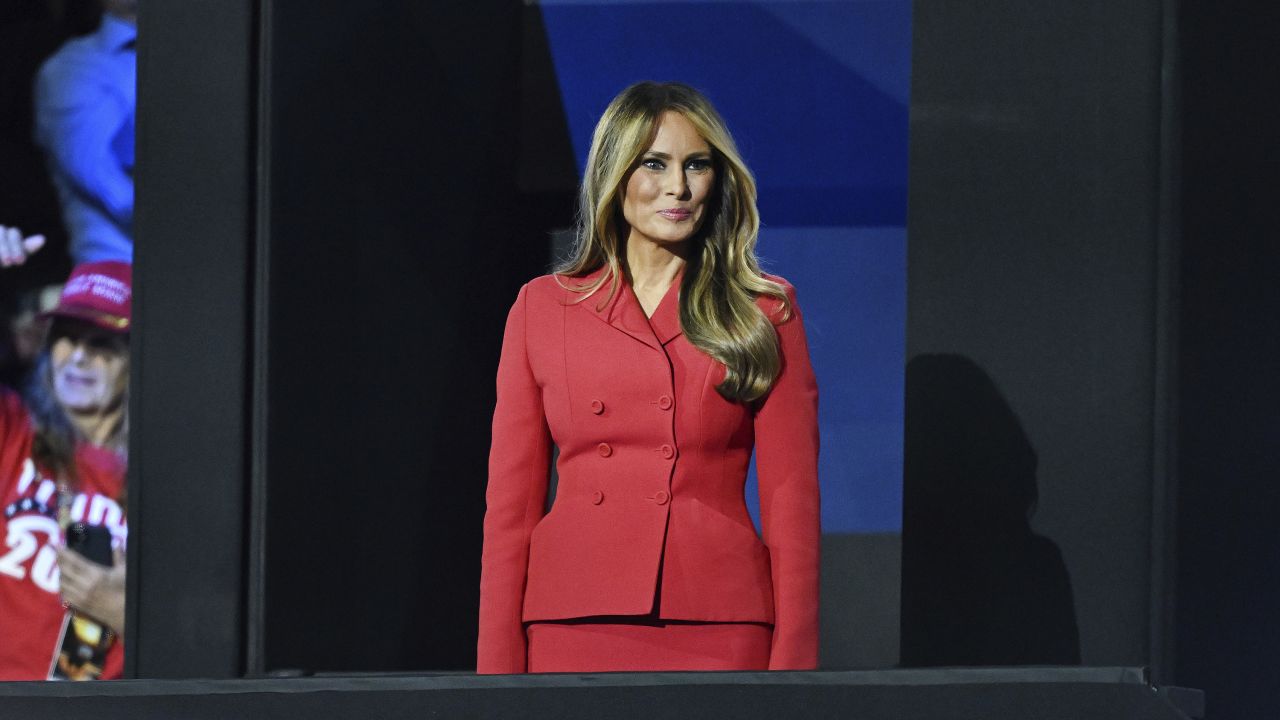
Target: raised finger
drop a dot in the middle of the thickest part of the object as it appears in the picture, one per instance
(15, 245)
(10, 246)
(32, 244)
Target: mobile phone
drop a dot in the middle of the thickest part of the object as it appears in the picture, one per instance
(91, 541)
(81, 654)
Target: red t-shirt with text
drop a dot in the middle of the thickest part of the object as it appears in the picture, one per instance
(31, 612)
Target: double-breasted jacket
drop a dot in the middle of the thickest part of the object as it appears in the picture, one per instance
(649, 510)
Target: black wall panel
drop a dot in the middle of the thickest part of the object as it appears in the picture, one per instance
(1034, 332)
(1228, 637)
(394, 256)
(190, 404)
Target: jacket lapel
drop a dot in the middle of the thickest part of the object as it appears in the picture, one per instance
(623, 312)
(666, 318)
(629, 317)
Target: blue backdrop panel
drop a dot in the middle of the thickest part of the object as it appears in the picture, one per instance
(851, 285)
(816, 94)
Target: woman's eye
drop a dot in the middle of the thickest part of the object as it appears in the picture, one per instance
(653, 164)
(701, 165)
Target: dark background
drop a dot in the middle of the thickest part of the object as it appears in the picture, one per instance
(394, 248)
(1092, 276)
(1227, 633)
(30, 31)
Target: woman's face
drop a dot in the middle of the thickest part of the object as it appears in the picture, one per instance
(666, 194)
(90, 366)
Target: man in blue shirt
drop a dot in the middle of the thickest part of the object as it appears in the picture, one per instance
(85, 98)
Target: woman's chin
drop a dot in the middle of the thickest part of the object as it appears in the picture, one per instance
(79, 403)
(670, 239)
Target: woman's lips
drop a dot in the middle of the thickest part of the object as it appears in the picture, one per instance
(675, 214)
(77, 381)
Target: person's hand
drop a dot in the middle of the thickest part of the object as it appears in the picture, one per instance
(93, 589)
(15, 249)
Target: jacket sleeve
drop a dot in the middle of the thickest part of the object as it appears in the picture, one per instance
(786, 429)
(519, 463)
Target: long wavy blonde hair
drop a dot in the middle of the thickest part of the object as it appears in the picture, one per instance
(722, 280)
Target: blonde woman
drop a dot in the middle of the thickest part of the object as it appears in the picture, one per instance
(655, 360)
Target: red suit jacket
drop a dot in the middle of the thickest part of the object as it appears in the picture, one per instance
(649, 503)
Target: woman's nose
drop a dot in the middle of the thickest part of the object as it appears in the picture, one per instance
(678, 185)
(79, 351)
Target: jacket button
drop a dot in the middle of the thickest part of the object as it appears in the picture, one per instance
(604, 449)
(667, 451)
(597, 407)
(597, 497)
(664, 402)
(662, 497)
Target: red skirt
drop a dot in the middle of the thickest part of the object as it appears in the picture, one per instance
(647, 646)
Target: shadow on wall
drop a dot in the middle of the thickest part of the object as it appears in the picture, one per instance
(978, 586)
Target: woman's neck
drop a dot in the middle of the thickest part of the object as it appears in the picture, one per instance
(652, 267)
(97, 427)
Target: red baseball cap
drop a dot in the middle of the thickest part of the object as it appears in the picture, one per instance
(100, 293)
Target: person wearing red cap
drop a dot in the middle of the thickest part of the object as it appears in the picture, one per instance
(62, 468)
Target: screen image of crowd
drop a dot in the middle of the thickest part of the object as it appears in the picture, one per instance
(66, 215)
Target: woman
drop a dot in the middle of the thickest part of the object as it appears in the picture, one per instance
(654, 360)
(62, 463)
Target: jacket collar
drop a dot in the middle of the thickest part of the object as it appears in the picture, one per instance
(115, 34)
(624, 313)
